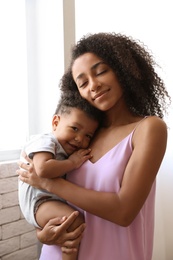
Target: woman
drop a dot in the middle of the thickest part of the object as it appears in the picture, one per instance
(115, 189)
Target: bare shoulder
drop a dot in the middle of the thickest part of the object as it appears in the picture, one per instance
(151, 127)
(153, 123)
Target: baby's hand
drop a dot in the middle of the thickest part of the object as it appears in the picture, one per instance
(79, 157)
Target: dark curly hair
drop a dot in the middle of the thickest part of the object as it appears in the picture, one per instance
(134, 66)
(72, 99)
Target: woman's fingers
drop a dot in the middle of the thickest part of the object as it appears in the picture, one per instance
(25, 164)
(27, 174)
(65, 226)
(25, 167)
(72, 235)
(67, 223)
(68, 250)
(70, 244)
(24, 155)
(55, 232)
(73, 240)
(51, 233)
(23, 175)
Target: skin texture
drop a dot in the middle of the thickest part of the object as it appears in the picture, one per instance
(105, 86)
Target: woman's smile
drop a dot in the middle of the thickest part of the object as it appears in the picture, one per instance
(101, 94)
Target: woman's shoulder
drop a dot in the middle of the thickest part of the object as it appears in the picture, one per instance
(151, 127)
(151, 123)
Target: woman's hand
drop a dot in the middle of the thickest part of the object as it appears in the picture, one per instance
(28, 174)
(55, 232)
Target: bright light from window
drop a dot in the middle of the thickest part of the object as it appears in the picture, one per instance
(31, 65)
(13, 79)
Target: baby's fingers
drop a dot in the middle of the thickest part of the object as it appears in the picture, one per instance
(84, 152)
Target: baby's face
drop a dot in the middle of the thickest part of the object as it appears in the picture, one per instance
(74, 130)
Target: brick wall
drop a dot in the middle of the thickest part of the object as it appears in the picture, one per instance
(17, 238)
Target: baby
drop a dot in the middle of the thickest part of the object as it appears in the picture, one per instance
(54, 154)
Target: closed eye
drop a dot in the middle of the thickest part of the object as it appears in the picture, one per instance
(83, 84)
(101, 72)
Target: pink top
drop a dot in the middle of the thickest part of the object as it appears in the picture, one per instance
(103, 239)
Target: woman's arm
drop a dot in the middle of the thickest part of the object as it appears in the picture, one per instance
(149, 144)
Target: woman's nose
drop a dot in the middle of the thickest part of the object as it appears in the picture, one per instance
(94, 84)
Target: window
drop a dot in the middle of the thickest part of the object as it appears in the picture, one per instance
(32, 63)
(13, 80)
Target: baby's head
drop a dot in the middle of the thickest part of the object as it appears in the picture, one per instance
(75, 122)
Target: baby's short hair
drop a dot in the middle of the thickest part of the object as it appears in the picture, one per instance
(72, 99)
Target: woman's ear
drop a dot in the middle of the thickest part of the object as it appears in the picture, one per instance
(55, 121)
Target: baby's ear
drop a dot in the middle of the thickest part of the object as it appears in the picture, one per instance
(55, 121)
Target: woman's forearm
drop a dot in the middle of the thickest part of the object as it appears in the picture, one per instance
(120, 208)
(102, 204)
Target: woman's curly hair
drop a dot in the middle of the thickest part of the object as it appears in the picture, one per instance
(134, 66)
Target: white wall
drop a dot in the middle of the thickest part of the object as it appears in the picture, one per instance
(151, 22)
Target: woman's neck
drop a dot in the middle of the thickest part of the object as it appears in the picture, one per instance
(119, 116)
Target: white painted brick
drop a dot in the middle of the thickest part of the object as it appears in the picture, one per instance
(29, 253)
(0, 201)
(16, 228)
(10, 199)
(0, 233)
(18, 239)
(21, 215)
(9, 215)
(8, 185)
(8, 169)
(28, 239)
(9, 246)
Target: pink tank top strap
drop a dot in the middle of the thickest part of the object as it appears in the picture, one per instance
(131, 134)
(139, 123)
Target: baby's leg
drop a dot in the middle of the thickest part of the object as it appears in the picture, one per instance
(52, 209)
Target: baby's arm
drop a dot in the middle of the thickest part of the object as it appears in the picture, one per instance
(48, 167)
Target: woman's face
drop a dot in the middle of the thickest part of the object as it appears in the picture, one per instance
(96, 81)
